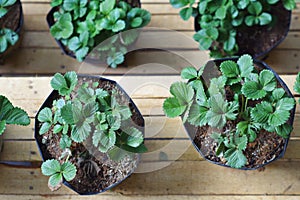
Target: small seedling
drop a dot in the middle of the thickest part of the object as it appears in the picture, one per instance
(202, 104)
(220, 20)
(93, 113)
(82, 25)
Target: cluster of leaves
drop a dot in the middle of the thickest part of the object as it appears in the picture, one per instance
(11, 115)
(219, 20)
(202, 104)
(81, 25)
(92, 113)
(7, 36)
(297, 84)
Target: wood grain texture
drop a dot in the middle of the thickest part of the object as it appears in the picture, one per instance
(146, 77)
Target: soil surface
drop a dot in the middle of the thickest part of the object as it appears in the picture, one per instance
(12, 18)
(259, 40)
(95, 171)
(267, 146)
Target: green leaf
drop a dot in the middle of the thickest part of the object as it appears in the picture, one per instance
(241, 142)
(183, 92)
(279, 117)
(272, 1)
(44, 128)
(284, 130)
(50, 167)
(189, 73)
(267, 80)
(68, 171)
(232, 109)
(45, 115)
(3, 11)
(136, 22)
(55, 3)
(67, 113)
(71, 80)
(285, 104)
(186, 13)
(58, 82)
(297, 83)
(235, 158)
(63, 28)
(3, 44)
(242, 4)
(118, 26)
(86, 94)
(57, 128)
(221, 12)
(261, 112)
(55, 180)
(230, 43)
(81, 53)
(289, 4)
(245, 63)
(81, 132)
(135, 138)
(2, 126)
(278, 93)
(104, 140)
(179, 3)
(17, 116)
(265, 18)
(90, 109)
(197, 115)
(5, 106)
(253, 90)
(255, 8)
(229, 69)
(216, 114)
(114, 122)
(74, 43)
(173, 108)
(217, 85)
(205, 37)
(65, 142)
(107, 6)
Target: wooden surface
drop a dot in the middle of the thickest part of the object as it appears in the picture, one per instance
(25, 81)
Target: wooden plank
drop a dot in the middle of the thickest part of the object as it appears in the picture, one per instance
(32, 61)
(179, 178)
(159, 39)
(148, 197)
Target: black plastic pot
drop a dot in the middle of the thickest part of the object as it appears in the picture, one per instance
(65, 50)
(48, 103)
(191, 129)
(266, 36)
(1, 142)
(17, 29)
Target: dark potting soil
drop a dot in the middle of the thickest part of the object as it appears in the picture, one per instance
(95, 171)
(266, 147)
(258, 39)
(12, 17)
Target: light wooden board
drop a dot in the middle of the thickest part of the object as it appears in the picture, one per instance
(179, 178)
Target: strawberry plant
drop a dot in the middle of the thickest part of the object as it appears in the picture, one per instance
(86, 113)
(7, 36)
(256, 104)
(82, 25)
(219, 21)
